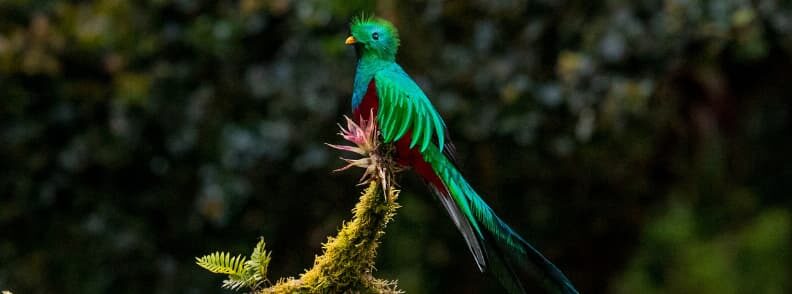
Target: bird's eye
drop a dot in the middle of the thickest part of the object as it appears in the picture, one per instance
(375, 36)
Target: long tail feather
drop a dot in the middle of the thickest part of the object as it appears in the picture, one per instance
(494, 245)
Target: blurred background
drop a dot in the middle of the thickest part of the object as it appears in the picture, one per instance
(643, 146)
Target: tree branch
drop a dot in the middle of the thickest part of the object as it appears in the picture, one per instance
(347, 263)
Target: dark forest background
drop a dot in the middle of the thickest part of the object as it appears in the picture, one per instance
(643, 146)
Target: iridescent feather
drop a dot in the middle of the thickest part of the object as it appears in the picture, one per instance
(407, 119)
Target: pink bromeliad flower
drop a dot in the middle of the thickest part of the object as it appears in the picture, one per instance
(365, 137)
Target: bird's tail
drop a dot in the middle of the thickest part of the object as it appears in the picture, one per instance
(494, 245)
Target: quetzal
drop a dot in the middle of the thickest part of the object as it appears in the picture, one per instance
(414, 129)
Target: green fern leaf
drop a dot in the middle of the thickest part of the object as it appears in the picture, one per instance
(259, 261)
(222, 263)
(241, 272)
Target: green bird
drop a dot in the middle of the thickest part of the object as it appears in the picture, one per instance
(419, 139)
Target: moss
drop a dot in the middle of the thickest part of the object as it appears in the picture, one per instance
(347, 264)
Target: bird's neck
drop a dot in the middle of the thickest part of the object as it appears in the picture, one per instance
(368, 65)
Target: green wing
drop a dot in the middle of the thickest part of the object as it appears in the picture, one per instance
(404, 107)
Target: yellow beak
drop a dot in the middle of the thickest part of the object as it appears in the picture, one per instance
(350, 40)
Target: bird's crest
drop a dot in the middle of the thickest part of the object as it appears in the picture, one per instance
(362, 18)
(376, 35)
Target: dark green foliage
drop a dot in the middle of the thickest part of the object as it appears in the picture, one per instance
(622, 138)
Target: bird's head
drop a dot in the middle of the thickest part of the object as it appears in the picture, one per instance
(374, 37)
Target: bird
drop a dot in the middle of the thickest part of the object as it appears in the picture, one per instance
(414, 130)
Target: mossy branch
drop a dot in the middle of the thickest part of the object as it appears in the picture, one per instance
(347, 263)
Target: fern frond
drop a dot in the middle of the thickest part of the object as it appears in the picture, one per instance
(241, 272)
(259, 261)
(222, 263)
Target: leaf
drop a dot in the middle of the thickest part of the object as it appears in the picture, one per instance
(241, 271)
(259, 260)
(222, 263)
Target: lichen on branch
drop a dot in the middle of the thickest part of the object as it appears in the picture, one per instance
(347, 264)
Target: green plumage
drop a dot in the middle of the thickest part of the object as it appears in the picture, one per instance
(404, 109)
(507, 254)
(403, 105)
